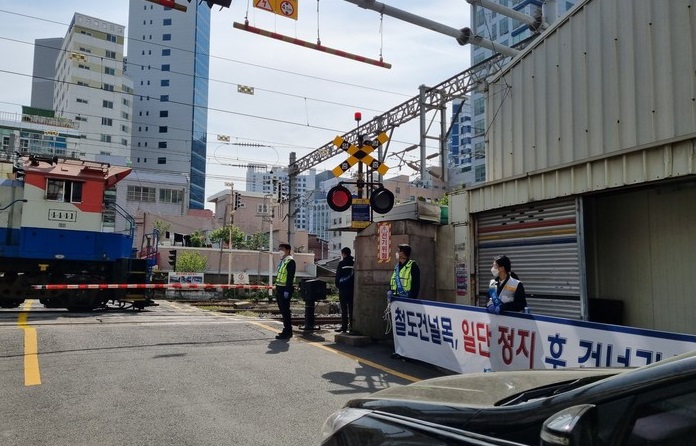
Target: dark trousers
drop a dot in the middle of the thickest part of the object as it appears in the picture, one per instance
(284, 307)
(345, 299)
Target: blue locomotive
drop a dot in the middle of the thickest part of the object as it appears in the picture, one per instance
(56, 229)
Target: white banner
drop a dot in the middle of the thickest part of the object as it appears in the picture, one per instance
(182, 277)
(468, 339)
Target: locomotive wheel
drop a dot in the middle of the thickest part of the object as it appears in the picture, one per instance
(11, 291)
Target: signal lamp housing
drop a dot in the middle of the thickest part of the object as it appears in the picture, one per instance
(382, 200)
(339, 198)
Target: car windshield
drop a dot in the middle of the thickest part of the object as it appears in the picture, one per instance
(548, 390)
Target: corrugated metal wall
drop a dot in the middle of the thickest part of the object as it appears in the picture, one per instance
(541, 240)
(612, 76)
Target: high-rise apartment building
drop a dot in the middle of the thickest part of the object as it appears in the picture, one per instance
(46, 53)
(91, 88)
(508, 32)
(168, 60)
(461, 157)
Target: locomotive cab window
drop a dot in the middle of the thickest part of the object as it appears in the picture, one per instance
(64, 191)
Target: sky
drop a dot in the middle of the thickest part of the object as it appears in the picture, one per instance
(302, 98)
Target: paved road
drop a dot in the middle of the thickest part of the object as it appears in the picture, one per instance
(176, 375)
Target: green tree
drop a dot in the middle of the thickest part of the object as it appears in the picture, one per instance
(223, 235)
(190, 262)
(197, 239)
(444, 200)
(257, 241)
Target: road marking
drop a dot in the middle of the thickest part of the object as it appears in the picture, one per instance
(348, 355)
(32, 376)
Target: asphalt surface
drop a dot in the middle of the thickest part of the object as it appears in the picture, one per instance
(178, 375)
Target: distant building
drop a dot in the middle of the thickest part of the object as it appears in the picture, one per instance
(275, 181)
(91, 88)
(463, 162)
(168, 60)
(37, 132)
(46, 53)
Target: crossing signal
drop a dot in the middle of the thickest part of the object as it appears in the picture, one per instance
(237, 200)
(339, 198)
(382, 200)
(172, 258)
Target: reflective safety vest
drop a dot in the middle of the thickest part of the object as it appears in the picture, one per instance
(507, 294)
(282, 276)
(404, 275)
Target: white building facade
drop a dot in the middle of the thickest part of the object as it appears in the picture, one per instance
(91, 88)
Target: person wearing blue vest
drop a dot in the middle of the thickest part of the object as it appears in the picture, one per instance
(405, 280)
(505, 291)
(284, 280)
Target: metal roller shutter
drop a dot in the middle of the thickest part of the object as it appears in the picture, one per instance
(541, 240)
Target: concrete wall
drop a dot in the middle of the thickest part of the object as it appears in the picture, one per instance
(372, 278)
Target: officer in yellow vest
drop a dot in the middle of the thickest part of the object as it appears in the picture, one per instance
(405, 280)
(284, 281)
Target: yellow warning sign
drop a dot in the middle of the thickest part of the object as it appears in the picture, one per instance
(286, 8)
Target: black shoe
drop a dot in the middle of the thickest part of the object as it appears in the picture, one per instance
(284, 335)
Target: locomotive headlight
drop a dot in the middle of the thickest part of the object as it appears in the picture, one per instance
(59, 256)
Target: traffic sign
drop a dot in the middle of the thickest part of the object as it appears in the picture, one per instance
(360, 213)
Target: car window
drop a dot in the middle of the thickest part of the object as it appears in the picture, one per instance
(666, 421)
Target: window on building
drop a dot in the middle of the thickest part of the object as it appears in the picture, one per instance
(504, 26)
(479, 105)
(84, 84)
(107, 121)
(140, 193)
(125, 128)
(480, 150)
(162, 145)
(167, 52)
(82, 101)
(162, 160)
(163, 129)
(480, 17)
(171, 196)
(110, 54)
(107, 87)
(84, 67)
(164, 98)
(164, 113)
(126, 102)
(111, 38)
(124, 142)
(167, 22)
(125, 115)
(165, 67)
(107, 104)
(64, 191)
(166, 37)
(164, 83)
(105, 138)
(110, 71)
(480, 173)
(80, 118)
(479, 127)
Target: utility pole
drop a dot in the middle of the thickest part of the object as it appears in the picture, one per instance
(231, 212)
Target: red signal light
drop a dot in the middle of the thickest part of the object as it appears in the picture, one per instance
(358, 116)
(339, 198)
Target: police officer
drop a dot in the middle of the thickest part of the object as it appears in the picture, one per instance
(405, 280)
(284, 281)
(505, 291)
(345, 282)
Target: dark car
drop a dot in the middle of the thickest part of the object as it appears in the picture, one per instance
(650, 405)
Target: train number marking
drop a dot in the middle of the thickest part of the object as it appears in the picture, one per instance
(62, 215)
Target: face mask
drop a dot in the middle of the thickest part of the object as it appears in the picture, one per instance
(495, 271)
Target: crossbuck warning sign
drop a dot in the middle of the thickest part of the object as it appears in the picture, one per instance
(360, 154)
